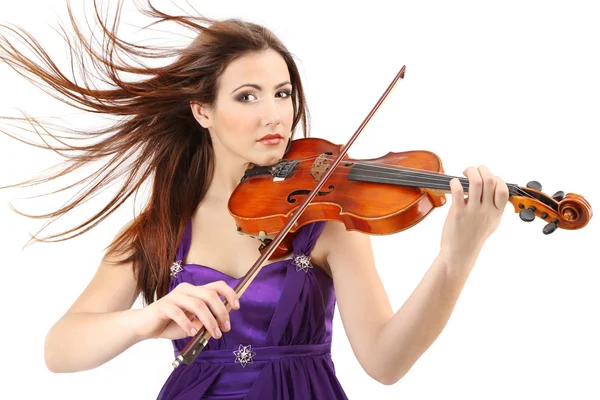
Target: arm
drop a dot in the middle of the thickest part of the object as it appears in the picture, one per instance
(421, 319)
(98, 325)
(387, 344)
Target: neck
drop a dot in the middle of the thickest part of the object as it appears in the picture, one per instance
(228, 171)
(433, 181)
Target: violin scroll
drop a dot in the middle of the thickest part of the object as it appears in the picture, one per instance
(565, 211)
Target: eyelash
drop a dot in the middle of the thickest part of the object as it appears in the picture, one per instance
(243, 95)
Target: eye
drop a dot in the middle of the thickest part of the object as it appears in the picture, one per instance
(244, 97)
(286, 93)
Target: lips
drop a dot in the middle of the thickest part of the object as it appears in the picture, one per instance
(271, 136)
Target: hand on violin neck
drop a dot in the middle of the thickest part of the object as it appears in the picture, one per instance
(472, 219)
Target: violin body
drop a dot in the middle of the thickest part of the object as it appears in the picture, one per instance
(261, 203)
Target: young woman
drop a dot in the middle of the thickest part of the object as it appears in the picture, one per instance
(231, 100)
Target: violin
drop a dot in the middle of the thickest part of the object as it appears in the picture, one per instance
(377, 196)
(316, 181)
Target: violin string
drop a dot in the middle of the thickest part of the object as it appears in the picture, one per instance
(416, 184)
(410, 182)
(433, 183)
(426, 176)
(433, 175)
(393, 169)
(438, 178)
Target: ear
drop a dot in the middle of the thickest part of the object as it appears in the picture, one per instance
(202, 113)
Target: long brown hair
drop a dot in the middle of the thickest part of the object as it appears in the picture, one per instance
(155, 136)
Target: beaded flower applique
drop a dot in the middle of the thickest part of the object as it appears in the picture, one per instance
(302, 262)
(244, 355)
(176, 268)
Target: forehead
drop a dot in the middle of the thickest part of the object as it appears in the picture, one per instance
(264, 68)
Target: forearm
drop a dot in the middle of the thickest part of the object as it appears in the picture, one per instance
(421, 319)
(84, 341)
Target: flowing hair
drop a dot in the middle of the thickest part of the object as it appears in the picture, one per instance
(155, 135)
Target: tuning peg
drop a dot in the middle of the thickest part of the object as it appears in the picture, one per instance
(528, 214)
(551, 227)
(558, 196)
(535, 185)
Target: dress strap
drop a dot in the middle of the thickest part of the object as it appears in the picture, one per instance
(185, 243)
(307, 237)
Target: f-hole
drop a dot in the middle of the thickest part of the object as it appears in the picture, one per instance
(295, 193)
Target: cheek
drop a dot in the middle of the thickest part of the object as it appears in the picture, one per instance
(237, 122)
(288, 115)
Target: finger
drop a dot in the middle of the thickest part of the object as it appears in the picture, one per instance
(458, 194)
(489, 186)
(227, 292)
(209, 320)
(474, 199)
(176, 314)
(501, 194)
(199, 307)
(217, 308)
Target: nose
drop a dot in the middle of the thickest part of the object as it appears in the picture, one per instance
(271, 114)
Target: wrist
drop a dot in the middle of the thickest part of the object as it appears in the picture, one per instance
(458, 261)
(131, 320)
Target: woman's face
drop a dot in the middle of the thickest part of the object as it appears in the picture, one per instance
(254, 99)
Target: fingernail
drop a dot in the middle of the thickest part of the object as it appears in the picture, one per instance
(194, 331)
(217, 333)
(227, 325)
(237, 304)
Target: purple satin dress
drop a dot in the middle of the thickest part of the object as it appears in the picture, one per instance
(279, 345)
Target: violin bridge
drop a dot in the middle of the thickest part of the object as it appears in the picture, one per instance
(319, 167)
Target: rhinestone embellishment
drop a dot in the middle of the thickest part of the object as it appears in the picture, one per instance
(244, 355)
(176, 268)
(302, 262)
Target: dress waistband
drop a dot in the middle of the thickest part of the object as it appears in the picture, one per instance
(246, 353)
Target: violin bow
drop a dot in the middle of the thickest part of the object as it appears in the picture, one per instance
(199, 341)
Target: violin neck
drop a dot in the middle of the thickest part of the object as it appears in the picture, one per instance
(393, 175)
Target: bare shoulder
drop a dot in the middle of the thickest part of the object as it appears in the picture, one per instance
(113, 287)
(335, 242)
(339, 251)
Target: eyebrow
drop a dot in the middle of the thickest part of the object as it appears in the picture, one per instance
(259, 88)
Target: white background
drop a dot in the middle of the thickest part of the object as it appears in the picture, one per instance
(513, 85)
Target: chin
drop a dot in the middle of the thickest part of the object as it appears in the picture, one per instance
(266, 160)
(271, 157)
